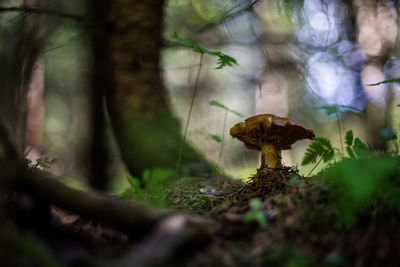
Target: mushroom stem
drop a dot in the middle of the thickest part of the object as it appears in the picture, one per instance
(270, 156)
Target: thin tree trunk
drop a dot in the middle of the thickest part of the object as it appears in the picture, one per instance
(100, 82)
(146, 131)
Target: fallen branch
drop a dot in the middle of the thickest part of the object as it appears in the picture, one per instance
(176, 237)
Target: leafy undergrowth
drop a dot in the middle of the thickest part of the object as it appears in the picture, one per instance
(347, 215)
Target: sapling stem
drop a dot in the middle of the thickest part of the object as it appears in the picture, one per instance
(223, 136)
(319, 161)
(340, 132)
(196, 84)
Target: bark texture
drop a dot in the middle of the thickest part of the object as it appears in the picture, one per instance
(146, 131)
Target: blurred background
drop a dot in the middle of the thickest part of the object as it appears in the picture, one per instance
(293, 57)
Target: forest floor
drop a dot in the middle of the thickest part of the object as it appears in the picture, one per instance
(278, 218)
(301, 227)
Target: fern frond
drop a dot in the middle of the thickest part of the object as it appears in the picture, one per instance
(320, 146)
(349, 138)
(350, 152)
(361, 149)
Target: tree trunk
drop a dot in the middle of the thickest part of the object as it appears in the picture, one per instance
(98, 167)
(18, 57)
(147, 132)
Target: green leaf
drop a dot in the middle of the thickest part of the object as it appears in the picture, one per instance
(255, 203)
(134, 182)
(217, 104)
(361, 149)
(220, 105)
(46, 162)
(320, 146)
(146, 176)
(350, 152)
(396, 80)
(260, 218)
(349, 138)
(332, 109)
(329, 110)
(223, 60)
(155, 176)
(216, 137)
(158, 175)
(356, 181)
(328, 155)
(343, 108)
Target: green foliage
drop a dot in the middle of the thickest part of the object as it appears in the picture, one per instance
(255, 214)
(43, 162)
(223, 59)
(26, 250)
(349, 138)
(396, 80)
(216, 138)
(319, 147)
(218, 104)
(355, 182)
(322, 147)
(285, 255)
(333, 109)
(46, 162)
(153, 180)
(357, 148)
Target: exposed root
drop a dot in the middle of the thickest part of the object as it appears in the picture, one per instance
(267, 182)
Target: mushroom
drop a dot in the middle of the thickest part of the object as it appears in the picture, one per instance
(270, 134)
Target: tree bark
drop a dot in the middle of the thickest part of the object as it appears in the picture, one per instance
(18, 57)
(146, 131)
(99, 156)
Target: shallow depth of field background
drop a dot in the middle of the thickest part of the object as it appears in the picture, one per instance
(293, 56)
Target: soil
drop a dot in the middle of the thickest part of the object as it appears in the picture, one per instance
(301, 227)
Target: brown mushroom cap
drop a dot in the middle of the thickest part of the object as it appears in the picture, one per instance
(264, 129)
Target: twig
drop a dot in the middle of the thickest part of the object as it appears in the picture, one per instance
(223, 137)
(340, 131)
(226, 16)
(46, 11)
(178, 162)
(319, 161)
(165, 244)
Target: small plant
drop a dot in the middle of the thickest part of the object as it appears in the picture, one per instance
(322, 149)
(255, 213)
(223, 61)
(42, 162)
(358, 183)
(357, 149)
(217, 138)
(337, 109)
(396, 80)
(219, 105)
(153, 179)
